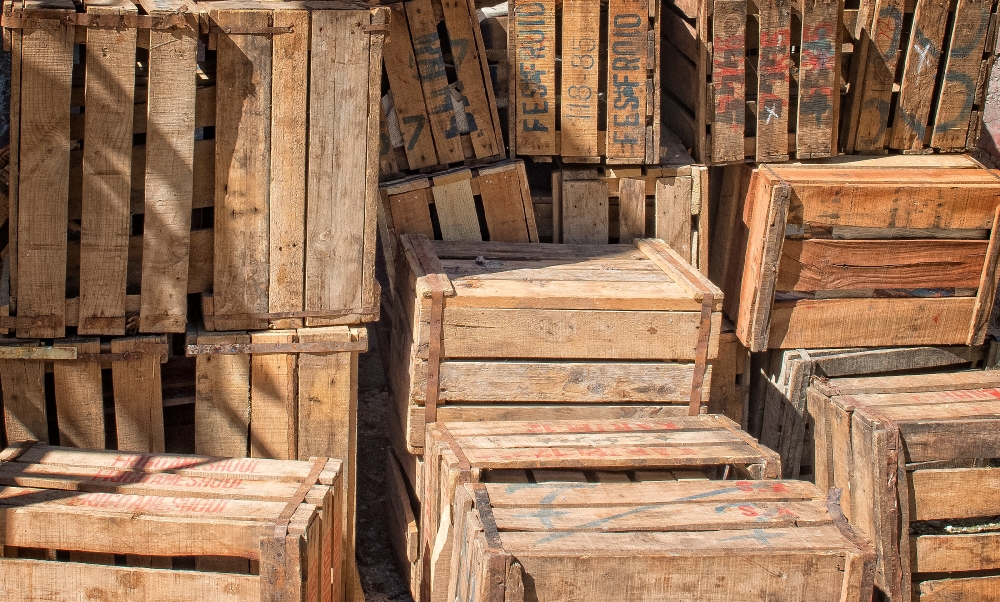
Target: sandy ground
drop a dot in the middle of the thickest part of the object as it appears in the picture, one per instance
(380, 576)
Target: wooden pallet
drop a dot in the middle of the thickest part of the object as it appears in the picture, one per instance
(607, 50)
(779, 413)
(684, 540)
(619, 204)
(569, 451)
(78, 366)
(918, 83)
(191, 528)
(443, 111)
(752, 106)
(859, 253)
(173, 146)
(936, 434)
(600, 331)
(447, 206)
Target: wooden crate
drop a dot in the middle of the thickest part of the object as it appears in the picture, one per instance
(586, 87)
(619, 204)
(441, 109)
(733, 87)
(937, 435)
(895, 251)
(77, 384)
(448, 206)
(191, 527)
(685, 540)
(917, 75)
(574, 451)
(780, 418)
(277, 119)
(498, 331)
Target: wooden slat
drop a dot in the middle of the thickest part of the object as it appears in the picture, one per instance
(287, 197)
(500, 191)
(728, 107)
(23, 383)
(772, 80)
(627, 95)
(338, 113)
(819, 79)
(46, 65)
(970, 589)
(273, 400)
(222, 399)
(138, 397)
(533, 35)
(578, 120)
(953, 552)
(953, 493)
(242, 171)
(107, 176)
(877, 75)
(584, 212)
(407, 95)
(80, 400)
(411, 213)
(632, 210)
(961, 69)
(673, 213)
(169, 178)
(456, 208)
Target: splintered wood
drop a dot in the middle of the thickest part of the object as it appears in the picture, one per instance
(599, 52)
(862, 252)
(488, 331)
(146, 172)
(441, 103)
(251, 529)
(683, 540)
(916, 458)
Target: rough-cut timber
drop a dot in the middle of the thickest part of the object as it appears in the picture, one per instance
(140, 175)
(897, 251)
(733, 90)
(440, 101)
(619, 204)
(916, 458)
(683, 540)
(492, 331)
(585, 81)
(254, 529)
(778, 414)
(688, 448)
(446, 206)
(918, 73)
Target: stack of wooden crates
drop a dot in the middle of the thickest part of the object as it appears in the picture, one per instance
(190, 243)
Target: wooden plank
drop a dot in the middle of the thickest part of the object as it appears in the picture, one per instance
(107, 176)
(242, 171)
(338, 112)
(138, 397)
(80, 400)
(821, 265)
(222, 399)
(909, 126)
(287, 195)
(961, 69)
(628, 26)
(584, 208)
(273, 400)
(954, 552)
(878, 75)
(968, 589)
(456, 208)
(728, 83)
(410, 212)
(673, 214)
(533, 38)
(169, 179)
(819, 79)
(952, 493)
(500, 191)
(46, 65)
(632, 210)
(23, 383)
(462, 37)
(774, 60)
(578, 119)
(987, 290)
(407, 95)
(430, 62)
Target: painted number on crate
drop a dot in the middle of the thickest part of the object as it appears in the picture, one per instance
(535, 55)
(627, 53)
